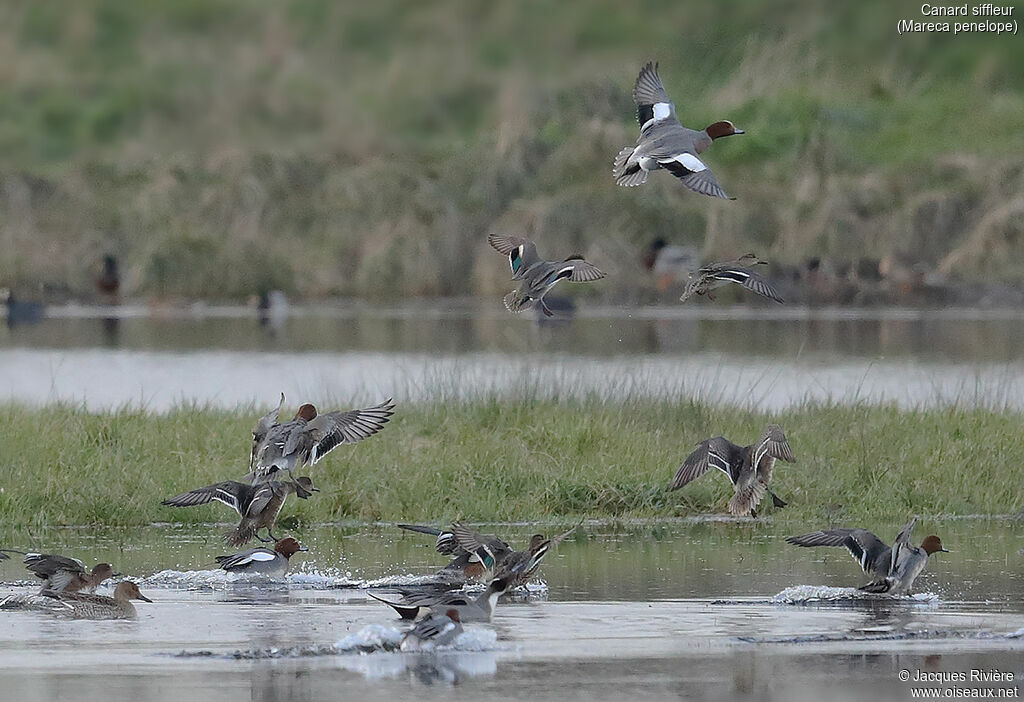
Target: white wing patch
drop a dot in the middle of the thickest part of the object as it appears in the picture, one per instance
(689, 161)
(262, 556)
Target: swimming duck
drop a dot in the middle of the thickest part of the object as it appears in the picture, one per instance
(538, 275)
(665, 143)
(895, 568)
(63, 574)
(715, 275)
(77, 605)
(431, 632)
(749, 468)
(257, 505)
(309, 436)
(263, 560)
(479, 609)
(480, 557)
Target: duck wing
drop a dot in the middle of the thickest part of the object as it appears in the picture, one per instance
(446, 545)
(652, 102)
(693, 173)
(335, 428)
(772, 444)
(253, 555)
(583, 271)
(710, 453)
(522, 253)
(902, 545)
(263, 426)
(868, 550)
(230, 492)
(480, 545)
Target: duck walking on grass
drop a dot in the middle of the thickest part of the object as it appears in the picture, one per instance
(429, 633)
(739, 271)
(537, 275)
(78, 605)
(257, 505)
(309, 436)
(749, 468)
(63, 574)
(895, 568)
(471, 609)
(665, 143)
(264, 561)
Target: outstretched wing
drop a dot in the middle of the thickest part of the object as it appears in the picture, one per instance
(253, 555)
(335, 428)
(902, 544)
(866, 548)
(259, 432)
(748, 279)
(229, 492)
(522, 253)
(479, 544)
(694, 174)
(652, 102)
(773, 444)
(582, 271)
(710, 453)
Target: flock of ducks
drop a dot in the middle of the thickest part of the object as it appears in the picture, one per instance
(281, 448)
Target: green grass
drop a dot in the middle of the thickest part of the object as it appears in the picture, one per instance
(515, 460)
(328, 148)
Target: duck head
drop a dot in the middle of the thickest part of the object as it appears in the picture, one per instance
(304, 487)
(307, 412)
(288, 547)
(127, 590)
(932, 544)
(452, 614)
(722, 129)
(102, 571)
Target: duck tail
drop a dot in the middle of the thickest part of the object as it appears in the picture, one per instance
(516, 302)
(877, 586)
(626, 175)
(240, 536)
(746, 499)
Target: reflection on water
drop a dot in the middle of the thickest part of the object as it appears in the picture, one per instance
(631, 612)
(767, 362)
(965, 336)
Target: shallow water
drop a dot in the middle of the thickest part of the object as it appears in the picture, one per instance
(768, 358)
(678, 609)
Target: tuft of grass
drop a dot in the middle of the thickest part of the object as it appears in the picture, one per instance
(510, 460)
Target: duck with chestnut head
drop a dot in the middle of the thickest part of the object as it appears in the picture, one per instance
(895, 568)
(308, 437)
(665, 143)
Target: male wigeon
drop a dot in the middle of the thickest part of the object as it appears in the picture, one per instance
(257, 505)
(895, 568)
(665, 143)
(749, 468)
(309, 437)
(263, 560)
(537, 275)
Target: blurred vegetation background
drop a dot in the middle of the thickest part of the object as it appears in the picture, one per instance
(366, 149)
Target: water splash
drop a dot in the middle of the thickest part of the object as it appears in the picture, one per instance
(219, 579)
(808, 594)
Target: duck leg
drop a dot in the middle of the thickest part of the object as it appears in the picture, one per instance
(545, 309)
(260, 538)
(777, 501)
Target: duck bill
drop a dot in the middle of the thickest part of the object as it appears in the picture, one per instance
(144, 598)
(738, 131)
(303, 548)
(945, 550)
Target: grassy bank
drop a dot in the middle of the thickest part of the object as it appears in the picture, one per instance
(506, 460)
(207, 142)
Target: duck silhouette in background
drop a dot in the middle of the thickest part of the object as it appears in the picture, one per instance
(20, 311)
(108, 281)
